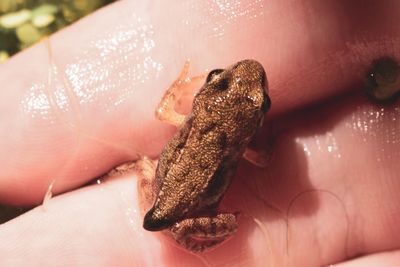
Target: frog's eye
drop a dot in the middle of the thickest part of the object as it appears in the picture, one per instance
(266, 105)
(213, 73)
(222, 84)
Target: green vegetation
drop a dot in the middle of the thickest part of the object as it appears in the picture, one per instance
(24, 22)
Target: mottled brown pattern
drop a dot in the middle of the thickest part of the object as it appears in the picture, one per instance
(201, 233)
(198, 163)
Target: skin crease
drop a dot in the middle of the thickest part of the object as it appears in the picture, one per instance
(112, 68)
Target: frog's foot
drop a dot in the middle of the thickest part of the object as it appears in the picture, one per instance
(145, 169)
(202, 233)
(259, 158)
(166, 108)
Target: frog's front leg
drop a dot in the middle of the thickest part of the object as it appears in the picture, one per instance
(201, 233)
(165, 110)
(145, 169)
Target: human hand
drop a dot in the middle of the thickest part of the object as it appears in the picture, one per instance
(329, 194)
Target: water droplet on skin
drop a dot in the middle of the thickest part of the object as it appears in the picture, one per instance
(383, 79)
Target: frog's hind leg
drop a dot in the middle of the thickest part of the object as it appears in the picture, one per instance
(145, 169)
(203, 233)
(166, 108)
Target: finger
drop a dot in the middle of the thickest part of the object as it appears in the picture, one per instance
(387, 259)
(107, 71)
(63, 132)
(65, 234)
(333, 180)
(362, 120)
(97, 225)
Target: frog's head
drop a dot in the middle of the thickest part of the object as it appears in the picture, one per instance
(241, 88)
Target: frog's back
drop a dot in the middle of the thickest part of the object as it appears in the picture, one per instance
(189, 164)
(194, 171)
(198, 163)
(185, 167)
(171, 152)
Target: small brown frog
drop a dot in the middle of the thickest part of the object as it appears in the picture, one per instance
(198, 163)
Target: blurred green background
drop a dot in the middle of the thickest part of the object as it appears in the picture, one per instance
(24, 22)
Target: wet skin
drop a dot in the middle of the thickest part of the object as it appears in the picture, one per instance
(198, 163)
